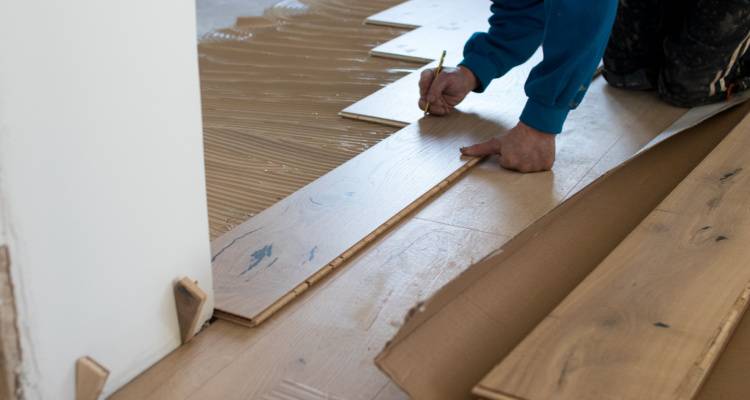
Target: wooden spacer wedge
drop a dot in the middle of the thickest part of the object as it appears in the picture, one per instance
(90, 378)
(189, 299)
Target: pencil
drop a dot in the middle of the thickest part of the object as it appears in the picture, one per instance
(437, 72)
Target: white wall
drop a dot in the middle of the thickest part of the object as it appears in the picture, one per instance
(101, 164)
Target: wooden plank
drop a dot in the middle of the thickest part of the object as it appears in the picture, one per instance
(269, 260)
(414, 13)
(425, 44)
(273, 257)
(189, 299)
(428, 150)
(90, 378)
(328, 338)
(396, 103)
(483, 314)
(730, 377)
(652, 319)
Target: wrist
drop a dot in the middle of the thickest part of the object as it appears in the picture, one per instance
(531, 131)
(471, 79)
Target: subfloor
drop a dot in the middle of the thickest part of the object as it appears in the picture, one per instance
(272, 88)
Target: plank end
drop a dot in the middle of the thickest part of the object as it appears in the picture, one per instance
(90, 378)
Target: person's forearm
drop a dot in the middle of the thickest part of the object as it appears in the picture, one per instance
(516, 30)
(576, 35)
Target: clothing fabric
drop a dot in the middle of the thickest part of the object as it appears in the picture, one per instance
(573, 35)
(692, 52)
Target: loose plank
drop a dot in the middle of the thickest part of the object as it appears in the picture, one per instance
(425, 44)
(653, 317)
(483, 314)
(412, 13)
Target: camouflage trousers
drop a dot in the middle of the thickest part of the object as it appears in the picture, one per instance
(692, 52)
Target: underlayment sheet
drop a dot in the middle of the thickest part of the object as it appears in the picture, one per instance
(272, 87)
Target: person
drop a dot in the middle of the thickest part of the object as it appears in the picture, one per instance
(692, 52)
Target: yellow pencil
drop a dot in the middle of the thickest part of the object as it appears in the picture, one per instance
(437, 72)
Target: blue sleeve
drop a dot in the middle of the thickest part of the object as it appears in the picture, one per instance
(573, 34)
(516, 31)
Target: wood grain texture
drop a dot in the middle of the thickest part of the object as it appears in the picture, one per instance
(266, 262)
(328, 338)
(273, 257)
(609, 127)
(652, 319)
(479, 317)
(90, 378)
(289, 246)
(326, 341)
(189, 299)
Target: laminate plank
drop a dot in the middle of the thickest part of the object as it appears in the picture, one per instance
(653, 317)
(425, 44)
(326, 342)
(415, 13)
(277, 254)
(483, 314)
(272, 254)
(396, 103)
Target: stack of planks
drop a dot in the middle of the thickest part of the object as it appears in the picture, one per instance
(379, 215)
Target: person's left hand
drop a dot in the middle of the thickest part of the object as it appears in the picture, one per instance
(522, 149)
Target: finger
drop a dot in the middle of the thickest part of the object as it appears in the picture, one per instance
(435, 92)
(422, 103)
(439, 108)
(425, 80)
(491, 146)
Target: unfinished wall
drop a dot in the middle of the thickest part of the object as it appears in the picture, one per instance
(103, 193)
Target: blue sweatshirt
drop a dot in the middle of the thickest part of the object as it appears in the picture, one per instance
(573, 35)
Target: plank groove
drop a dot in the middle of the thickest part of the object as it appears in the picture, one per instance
(653, 317)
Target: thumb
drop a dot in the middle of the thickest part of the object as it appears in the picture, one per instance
(492, 146)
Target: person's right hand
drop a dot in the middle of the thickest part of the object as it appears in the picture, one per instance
(445, 92)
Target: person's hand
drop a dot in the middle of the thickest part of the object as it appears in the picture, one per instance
(445, 92)
(522, 149)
